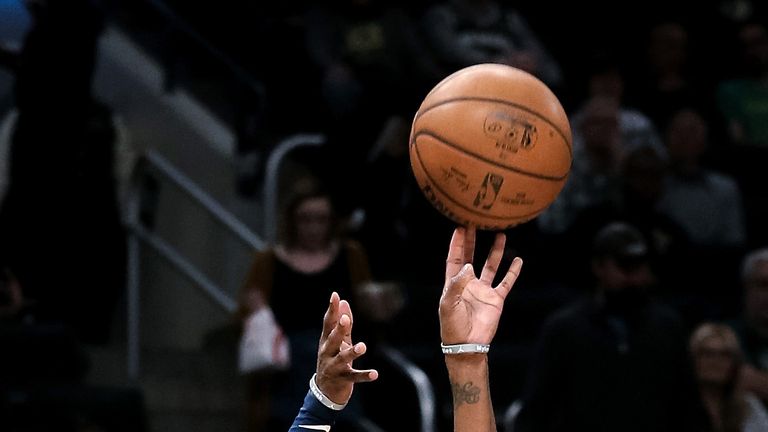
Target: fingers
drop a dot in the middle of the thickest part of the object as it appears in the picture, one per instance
(461, 250)
(469, 244)
(341, 364)
(367, 375)
(349, 354)
(345, 309)
(455, 259)
(509, 279)
(331, 316)
(345, 359)
(455, 285)
(494, 258)
(333, 343)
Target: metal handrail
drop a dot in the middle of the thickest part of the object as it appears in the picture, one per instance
(189, 270)
(272, 177)
(152, 159)
(424, 391)
(171, 173)
(137, 233)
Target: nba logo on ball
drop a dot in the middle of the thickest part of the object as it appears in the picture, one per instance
(490, 146)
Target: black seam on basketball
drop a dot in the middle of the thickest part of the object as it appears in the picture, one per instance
(436, 185)
(503, 102)
(490, 161)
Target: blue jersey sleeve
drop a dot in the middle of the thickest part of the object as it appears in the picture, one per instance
(314, 416)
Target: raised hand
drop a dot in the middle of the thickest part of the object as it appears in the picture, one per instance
(335, 375)
(470, 308)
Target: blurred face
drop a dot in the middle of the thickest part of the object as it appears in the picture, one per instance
(615, 275)
(667, 49)
(686, 137)
(754, 39)
(601, 132)
(608, 83)
(313, 222)
(714, 362)
(756, 298)
(644, 172)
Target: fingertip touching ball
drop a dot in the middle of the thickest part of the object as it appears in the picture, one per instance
(490, 146)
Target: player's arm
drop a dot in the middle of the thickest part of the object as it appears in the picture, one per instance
(470, 309)
(332, 385)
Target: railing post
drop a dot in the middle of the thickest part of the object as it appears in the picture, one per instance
(133, 312)
(133, 307)
(271, 177)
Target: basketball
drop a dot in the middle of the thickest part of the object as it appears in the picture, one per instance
(490, 146)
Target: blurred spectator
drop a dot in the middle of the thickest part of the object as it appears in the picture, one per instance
(616, 360)
(740, 11)
(374, 68)
(705, 203)
(640, 185)
(467, 32)
(597, 145)
(743, 102)
(43, 370)
(603, 133)
(310, 260)
(61, 190)
(707, 207)
(606, 79)
(717, 362)
(752, 328)
(270, 40)
(666, 83)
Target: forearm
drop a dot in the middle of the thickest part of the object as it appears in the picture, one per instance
(312, 415)
(472, 407)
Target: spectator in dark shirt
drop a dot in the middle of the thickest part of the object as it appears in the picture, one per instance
(618, 359)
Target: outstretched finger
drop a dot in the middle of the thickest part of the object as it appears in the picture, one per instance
(455, 259)
(351, 353)
(494, 259)
(333, 344)
(331, 317)
(454, 286)
(509, 279)
(469, 244)
(345, 309)
(366, 375)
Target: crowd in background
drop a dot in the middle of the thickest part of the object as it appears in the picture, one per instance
(668, 103)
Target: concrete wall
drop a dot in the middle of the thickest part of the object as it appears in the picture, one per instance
(175, 314)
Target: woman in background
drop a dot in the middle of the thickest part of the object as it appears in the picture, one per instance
(717, 361)
(295, 277)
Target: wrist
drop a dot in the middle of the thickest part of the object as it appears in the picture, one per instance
(320, 396)
(468, 360)
(465, 348)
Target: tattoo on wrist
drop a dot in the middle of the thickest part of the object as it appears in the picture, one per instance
(467, 393)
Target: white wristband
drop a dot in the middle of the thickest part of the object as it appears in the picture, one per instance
(321, 397)
(470, 348)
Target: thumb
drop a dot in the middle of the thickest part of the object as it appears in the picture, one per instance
(455, 285)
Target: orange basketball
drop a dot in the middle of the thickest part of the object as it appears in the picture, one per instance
(490, 146)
